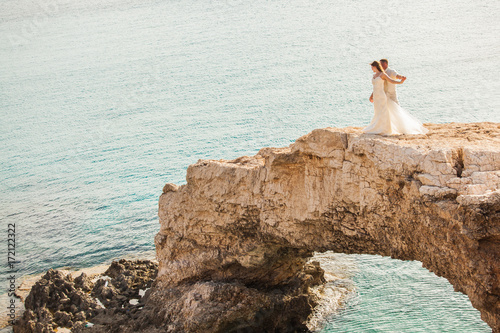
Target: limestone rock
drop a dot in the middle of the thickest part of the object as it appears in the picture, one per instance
(241, 228)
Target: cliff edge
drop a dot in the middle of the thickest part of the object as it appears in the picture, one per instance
(234, 240)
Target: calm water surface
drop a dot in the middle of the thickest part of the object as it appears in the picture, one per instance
(103, 102)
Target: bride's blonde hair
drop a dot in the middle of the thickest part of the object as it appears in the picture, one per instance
(377, 65)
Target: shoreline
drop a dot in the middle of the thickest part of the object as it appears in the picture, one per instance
(331, 298)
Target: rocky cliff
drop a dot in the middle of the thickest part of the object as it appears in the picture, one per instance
(234, 240)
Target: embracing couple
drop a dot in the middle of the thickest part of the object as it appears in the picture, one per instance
(389, 117)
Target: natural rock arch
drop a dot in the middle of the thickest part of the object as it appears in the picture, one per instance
(234, 239)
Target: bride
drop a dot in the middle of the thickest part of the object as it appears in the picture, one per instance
(389, 118)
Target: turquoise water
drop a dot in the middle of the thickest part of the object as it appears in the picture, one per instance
(401, 296)
(103, 102)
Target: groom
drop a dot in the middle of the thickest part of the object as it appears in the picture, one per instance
(389, 88)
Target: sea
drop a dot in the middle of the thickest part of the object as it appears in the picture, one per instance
(102, 102)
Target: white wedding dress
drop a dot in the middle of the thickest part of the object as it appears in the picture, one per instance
(389, 117)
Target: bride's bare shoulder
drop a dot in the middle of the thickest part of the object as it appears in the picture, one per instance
(384, 76)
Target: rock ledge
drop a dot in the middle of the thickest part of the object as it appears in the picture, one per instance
(245, 227)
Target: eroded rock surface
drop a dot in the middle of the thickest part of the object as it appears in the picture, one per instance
(242, 229)
(109, 303)
(234, 241)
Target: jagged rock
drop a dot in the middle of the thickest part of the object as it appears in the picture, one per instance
(62, 318)
(53, 293)
(170, 188)
(228, 307)
(234, 241)
(72, 305)
(247, 226)
(106, 292)
(135, 275)
(83, 282)
(127, 278)
(317, 274)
